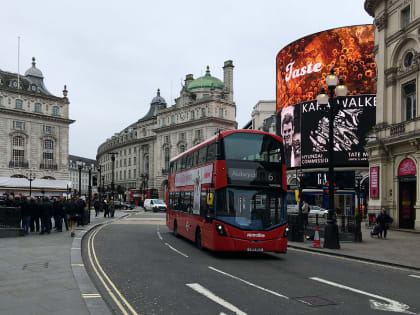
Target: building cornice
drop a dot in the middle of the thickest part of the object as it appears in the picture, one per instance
(36, 95)
(370, 6)
(126, 143)
(381, 21)
(195, 122)
(402, 32)
(22, 113)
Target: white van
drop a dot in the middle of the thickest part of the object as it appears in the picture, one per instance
(154, 205)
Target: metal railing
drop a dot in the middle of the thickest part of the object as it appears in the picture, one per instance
(48, 166)
(397, 129)
(18, 164)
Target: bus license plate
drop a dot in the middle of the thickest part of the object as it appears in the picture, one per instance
(255, 249)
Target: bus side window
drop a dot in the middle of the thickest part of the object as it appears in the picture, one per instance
(176, 201)
(195, 163)
(181, 201)
(183, 161)
(211, 152)
(202, 155)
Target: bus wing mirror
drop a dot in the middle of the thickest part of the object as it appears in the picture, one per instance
(210, 199)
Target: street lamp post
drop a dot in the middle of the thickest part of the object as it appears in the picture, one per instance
(358, 217)
(90, 192)
(103, 185)
(80, 166)
(113, 154)
(99, 177)
(331, 228)
(299, 175)
(30, 178)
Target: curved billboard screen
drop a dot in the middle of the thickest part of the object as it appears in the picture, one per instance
(302, 68)
(303, 65)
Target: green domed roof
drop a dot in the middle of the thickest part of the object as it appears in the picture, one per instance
(206, 82)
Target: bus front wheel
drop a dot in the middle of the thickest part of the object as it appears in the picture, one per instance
(175, 229)
(198, 238)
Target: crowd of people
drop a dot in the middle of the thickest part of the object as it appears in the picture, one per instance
(38, 213)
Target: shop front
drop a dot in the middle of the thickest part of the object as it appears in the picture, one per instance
(407, 183)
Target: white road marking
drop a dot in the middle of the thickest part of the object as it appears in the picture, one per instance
(390, 305)
(414, 276)
(208, 294)
(249, 283)
(160, 236)
(176, 251)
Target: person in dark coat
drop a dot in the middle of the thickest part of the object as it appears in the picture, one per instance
(26, 214)
(97, 205)
(58, 214)
(71, 211)
(383, 219)
(46, 214)
(106, 209)
(35, 215)
(81, 204)
(64, 213)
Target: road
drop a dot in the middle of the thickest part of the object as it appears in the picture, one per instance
(141, 268)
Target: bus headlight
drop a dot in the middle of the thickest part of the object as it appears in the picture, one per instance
(286, 232)
(220, 229)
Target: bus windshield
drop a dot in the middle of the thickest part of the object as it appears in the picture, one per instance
(252, 147)
(247, 209)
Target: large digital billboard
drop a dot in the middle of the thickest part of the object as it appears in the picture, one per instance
(302, 67)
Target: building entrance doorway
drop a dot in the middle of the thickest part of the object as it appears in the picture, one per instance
(407, 213)
(407, 176)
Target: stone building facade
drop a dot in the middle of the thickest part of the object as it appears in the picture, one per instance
(143, 150)
(86, 165)
(34, 127)
(394, 146)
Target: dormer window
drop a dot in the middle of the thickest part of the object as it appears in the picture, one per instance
(56, 111)
(33, 88)
(19, 104)
(38, 108)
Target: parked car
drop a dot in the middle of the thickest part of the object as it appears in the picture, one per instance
(154, 205)
(125, 206)
(314, 210)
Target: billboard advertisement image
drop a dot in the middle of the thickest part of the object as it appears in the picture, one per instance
(302, 67)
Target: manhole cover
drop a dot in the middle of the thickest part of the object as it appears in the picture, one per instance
(314, 301)
(37, 266)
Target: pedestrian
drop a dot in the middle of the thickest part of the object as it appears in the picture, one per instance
(35, 215)
(97, 206)
(58, 215)
(26, 215)
(383, 219)
(305, 211)
(106, 209)
(111, 208)
(81, 205)
(46, 214)
(64, 213)
(71, 211)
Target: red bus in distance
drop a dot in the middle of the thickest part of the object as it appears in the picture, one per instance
(138, 195)
(229, 193)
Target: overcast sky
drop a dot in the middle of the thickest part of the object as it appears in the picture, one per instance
(114, 55)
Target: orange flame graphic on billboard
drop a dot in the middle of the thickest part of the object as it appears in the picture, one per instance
(303, 65)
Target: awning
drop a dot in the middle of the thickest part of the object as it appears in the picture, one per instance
(23, 183)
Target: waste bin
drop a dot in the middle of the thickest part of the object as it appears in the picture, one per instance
(296, 232)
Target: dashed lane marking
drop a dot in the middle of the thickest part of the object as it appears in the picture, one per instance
(78, 265)
(176, 251)
(414, 276)
(350, 259)
(210, 295)
(389, 305)
(91, 295)
(249, 283)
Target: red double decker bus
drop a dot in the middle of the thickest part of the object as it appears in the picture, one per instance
(137, 196)
(229, 193)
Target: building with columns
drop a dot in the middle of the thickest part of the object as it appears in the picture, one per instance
(143, 149)
(394, 146)
(34, 133)
(85, 165)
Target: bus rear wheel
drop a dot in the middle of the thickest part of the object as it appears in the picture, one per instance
(175, 229)
(198, 239)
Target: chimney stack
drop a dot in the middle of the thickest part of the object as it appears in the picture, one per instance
(228, 79)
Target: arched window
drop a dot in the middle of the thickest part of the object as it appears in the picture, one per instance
(18, 151)
(181, 148)
(56, 111)
(167, 157)
(48, 154)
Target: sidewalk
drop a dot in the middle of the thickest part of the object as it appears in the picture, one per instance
(36, 275)
(399, 248)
